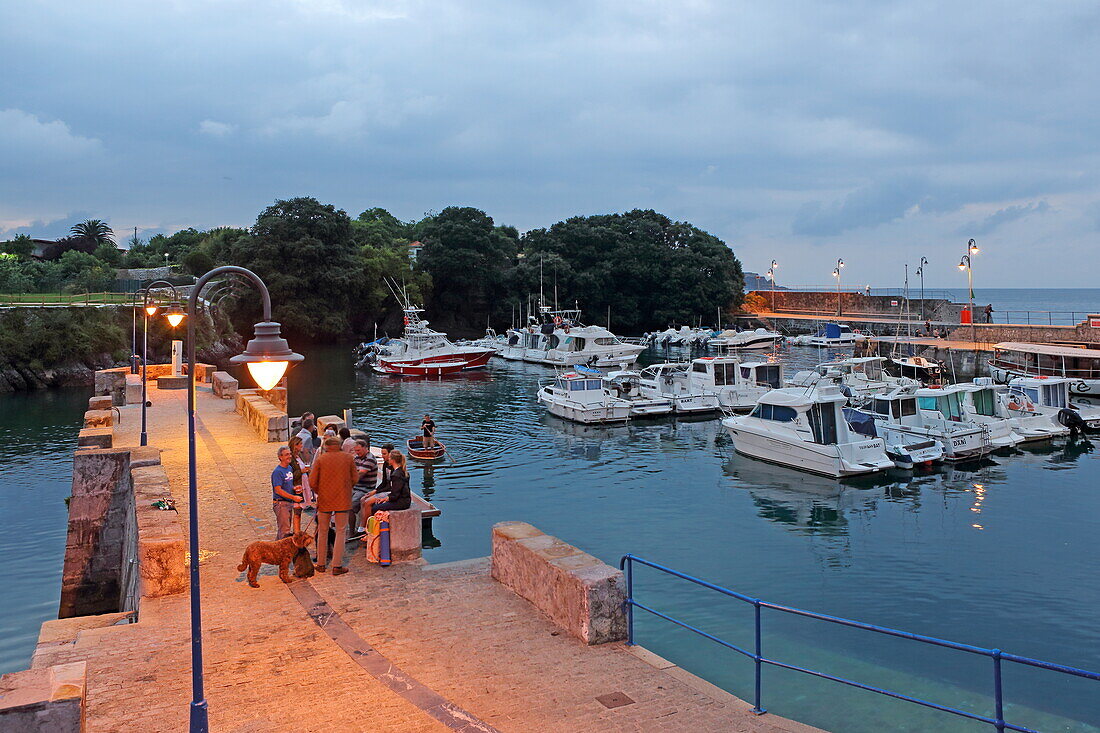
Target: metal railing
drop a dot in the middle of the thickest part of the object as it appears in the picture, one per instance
(1036, 318)
(65, 299)
(626, 564)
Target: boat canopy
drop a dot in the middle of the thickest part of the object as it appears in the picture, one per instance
(1048, 349)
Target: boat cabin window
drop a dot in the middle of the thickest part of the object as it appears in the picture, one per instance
(699, 366)
(769, 374)
(883, 407)
(553, 342)
(823, 423)
(725, 374)
(579, 385)
(578, 343)
(985, 402)
(906, 407)
(1054, 395)
(778, 413)
(607, 341)
(947, 405)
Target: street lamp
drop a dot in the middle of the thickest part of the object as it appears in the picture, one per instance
(920, 271)
(836, 274)
(174, 318)
(268, 356)
(771, 277)
(135, 360)
(966, 263)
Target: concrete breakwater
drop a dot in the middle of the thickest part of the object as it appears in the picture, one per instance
(413, 647)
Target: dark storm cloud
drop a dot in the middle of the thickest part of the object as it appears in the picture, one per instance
(781, 127)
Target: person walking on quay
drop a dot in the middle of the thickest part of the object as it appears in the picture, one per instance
(367, 466)
(284, 494)
(428, 428)
(332, 477)
(989, 314)
(309, 451)
(399, 495)
(301, 480)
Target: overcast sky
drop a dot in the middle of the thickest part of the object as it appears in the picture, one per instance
(800, 131)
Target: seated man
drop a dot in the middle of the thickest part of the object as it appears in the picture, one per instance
(367, 466)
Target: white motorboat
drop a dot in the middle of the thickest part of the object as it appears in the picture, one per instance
(805, 429)
(863, 376)
(925, 371)
(760, 338)
(1050, 396)
(1028, 419)
(737, 385)
(581, 396)
(907, 428)
(421, 345)
(982, 404)
(905, 451)
(673, 382)
(627, 385)
(561, 341)
(683, 336)
(830, 334)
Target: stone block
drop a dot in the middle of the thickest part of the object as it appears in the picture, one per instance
(170, 382)
(269, 422)
(224, 385)
(141, 456)
(161, 545)
(579, 593)
(99, 418)
(405, 534)
(100, 402)
(51, 699)
(131, 394)
(326, 421)
(96, 438)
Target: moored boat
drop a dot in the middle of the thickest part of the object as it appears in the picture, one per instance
(561, 340)
(673, 382)
(420, 368)
(805, 429)
(901, 423)
(626, 385)
(831, 334)
(582, 396)
(1081, 366)
(737, 385)
(760, 338)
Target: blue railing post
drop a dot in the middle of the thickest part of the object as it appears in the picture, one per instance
(757, 660)
(997, 694)
(629, 600)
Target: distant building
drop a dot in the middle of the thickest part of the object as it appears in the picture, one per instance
(40, 247)
(414, 250)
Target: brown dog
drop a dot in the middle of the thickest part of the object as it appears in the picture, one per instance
(281, 553)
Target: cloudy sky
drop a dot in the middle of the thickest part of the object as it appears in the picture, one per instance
(800, 131)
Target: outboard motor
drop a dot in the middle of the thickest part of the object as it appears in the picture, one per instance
(1070, 419)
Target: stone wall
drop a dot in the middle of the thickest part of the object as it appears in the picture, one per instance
(992, 333)
(577, 591)
(856, 303)
(125, 388)
(269, 422)
(50, 699)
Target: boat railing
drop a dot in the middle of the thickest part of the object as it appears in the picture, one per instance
(996, 656)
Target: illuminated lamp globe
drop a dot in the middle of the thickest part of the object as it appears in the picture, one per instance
(151, 310)
(175, 315)
(962, 266)
(267, 355)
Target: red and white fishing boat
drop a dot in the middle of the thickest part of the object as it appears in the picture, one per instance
(420, 369)
(420, 348)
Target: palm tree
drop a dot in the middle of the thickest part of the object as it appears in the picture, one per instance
(93, 230)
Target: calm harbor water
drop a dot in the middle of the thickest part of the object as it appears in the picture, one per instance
(998, 555)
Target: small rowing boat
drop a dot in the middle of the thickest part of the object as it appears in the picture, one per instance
(417, 450)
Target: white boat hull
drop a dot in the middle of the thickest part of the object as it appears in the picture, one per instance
(617, 411)
(824, 460)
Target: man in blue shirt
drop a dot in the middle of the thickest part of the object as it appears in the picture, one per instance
(284, 494)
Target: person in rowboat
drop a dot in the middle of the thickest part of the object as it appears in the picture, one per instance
(427, 426)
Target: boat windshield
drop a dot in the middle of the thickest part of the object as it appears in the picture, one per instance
(606, 341)
(823, 423)
(1054, 395)
(778, 413)
(578, 385)
(947, 405)
(765, 374)
(985, 402)
(725, 374)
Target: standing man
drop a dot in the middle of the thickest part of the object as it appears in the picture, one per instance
(332, 477)
(428, 427)
(309, 452)
(284, 495)
(989, 314)
(367, 466)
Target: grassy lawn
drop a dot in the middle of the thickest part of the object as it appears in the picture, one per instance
(64, 298)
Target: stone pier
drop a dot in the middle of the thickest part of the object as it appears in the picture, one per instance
(410, 647)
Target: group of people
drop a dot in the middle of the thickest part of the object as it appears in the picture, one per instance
(338, 477)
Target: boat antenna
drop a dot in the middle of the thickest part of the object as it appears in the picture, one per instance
(555, 288)
(540, 281)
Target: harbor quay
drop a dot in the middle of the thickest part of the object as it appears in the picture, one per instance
(492, 643)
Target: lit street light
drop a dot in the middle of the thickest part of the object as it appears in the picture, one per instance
(920, 271)
(771, 277)
(174, 318)
(836, 274)
(268, 356)
(966, 263)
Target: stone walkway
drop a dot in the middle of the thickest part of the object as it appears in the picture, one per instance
(405, 648)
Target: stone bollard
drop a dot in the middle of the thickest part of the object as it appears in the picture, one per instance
(102, 402)
(99, 418)
(405, 534)
(50, 700)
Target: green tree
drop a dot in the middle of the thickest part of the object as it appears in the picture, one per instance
(304, 252)
(93, 230)
(469, 260)
(22, 246)
(198, 261)
(109, 253)
(14, 277)
(379, 228)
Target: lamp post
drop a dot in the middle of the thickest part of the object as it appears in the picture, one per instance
(836, 274)
(135, 360)
(920, 271)
(267, 356)
(771, 276)
(966, 263)
(174, 319)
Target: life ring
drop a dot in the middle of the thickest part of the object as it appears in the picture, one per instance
(557, 320)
